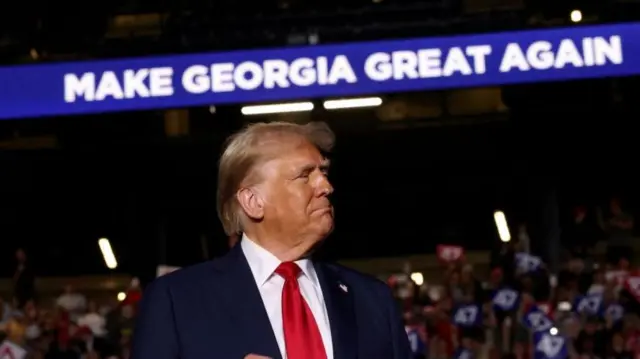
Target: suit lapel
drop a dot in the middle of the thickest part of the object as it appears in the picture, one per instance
(239, 291)
(339, 303)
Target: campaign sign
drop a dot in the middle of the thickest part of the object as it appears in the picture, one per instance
(449, 253)
(10, 350)
(292, 73)
(527, 263)
(549, 346)
(537, 320)
(589, 304)
(468, 315)
(505, 299)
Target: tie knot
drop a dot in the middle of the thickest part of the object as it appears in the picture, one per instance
(288, 270)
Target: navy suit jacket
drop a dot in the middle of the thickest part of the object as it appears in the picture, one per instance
(214, 310)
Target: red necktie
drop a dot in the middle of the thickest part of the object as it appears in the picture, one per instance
(301, 334)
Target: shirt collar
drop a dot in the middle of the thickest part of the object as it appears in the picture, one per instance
(263, 264)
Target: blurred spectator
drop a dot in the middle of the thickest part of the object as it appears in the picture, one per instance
(120, 325)
(592, 340)
(416, 334)
(134, 293)
(445, 340)
(31, 321)
(518, 330)
(15, 332)
(471, 337)
(618, 350)
(574, 277)
(88, 344)
(23, 279)
(582, 234)
(62, 329)
(523, 238)
(471, 284)
(5, 314)
(619, 228)
(406, 291)
(72, 302)
(505, 260)
(456, 291)
(93, 320)
(599, 283)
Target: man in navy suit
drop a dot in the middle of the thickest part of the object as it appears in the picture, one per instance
(267, 298)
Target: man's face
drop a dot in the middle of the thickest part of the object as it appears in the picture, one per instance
(296, 191)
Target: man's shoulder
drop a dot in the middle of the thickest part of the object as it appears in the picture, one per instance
(187, 276)
(355, 278)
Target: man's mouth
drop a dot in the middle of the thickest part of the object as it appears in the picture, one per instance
(324, 210)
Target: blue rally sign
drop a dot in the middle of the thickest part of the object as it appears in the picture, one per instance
(319, 71)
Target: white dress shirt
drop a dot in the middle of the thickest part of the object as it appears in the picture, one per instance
(263, 265)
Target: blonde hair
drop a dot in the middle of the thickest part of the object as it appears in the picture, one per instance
(256, 144)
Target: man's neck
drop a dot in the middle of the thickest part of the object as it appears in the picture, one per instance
(283, 248)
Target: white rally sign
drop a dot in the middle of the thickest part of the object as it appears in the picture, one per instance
(9, 350)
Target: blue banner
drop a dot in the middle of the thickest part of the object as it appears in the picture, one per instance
(319, 71)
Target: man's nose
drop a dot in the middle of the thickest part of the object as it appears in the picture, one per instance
(324, 186)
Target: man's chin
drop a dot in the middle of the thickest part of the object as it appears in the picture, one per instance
(326, 224)
(323, 231)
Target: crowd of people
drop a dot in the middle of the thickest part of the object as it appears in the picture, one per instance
(589, 309)
(72, 327)
(591, 306)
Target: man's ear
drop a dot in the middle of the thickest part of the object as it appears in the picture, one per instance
(251, 202)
